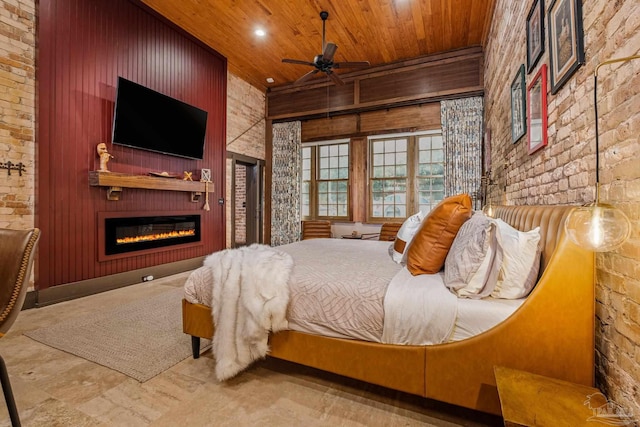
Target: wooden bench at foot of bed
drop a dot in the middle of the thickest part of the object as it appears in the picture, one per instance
(551, 334)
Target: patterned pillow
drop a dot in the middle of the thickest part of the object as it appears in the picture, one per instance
(520, 261)
(471, 268)
(404, 237)
(430, 245)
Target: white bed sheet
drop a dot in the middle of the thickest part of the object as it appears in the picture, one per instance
(477, 316)
(418, 310)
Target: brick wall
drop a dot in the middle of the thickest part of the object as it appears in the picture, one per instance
(245, 129)
(241, 210)
(17, 111)
(564, 171)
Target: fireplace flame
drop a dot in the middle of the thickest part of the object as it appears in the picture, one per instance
(157, 236)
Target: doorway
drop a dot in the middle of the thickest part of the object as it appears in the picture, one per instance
(247, 195)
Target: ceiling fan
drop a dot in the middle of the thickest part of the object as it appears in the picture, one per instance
(324, 61)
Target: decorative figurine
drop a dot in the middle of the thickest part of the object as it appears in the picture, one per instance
(187, 176)
(104, 156)
(205, 176)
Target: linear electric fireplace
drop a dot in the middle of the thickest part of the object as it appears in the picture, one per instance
(126, 234)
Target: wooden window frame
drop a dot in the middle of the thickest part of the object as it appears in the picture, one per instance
(313, 187)
(412, 200)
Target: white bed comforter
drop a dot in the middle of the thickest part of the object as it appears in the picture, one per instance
(338, 287)
(352, 289)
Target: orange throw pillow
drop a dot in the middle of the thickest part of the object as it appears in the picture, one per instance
(431, 244)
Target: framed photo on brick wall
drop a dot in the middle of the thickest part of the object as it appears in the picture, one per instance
(535, 34)
(537, 107)
(566, 44)
(518, 106)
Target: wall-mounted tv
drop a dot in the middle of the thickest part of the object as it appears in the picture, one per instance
(149, 120)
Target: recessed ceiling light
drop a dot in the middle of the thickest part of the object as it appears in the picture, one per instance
(260, 32)
(270, 80)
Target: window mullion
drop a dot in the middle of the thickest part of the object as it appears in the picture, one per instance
(313, 190)
(412, 182)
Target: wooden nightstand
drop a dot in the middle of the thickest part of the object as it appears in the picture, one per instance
(534, 400)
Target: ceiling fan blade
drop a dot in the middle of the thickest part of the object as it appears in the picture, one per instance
(355, 64)
(329, 51)
(299, 62)
(305, 77)
(333, 76)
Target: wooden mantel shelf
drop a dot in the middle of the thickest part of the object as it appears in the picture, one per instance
(117, 181)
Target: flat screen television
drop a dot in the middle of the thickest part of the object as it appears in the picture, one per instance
(149, 120)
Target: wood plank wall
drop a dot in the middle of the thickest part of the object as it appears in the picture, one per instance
(412, 82)
(83, 46)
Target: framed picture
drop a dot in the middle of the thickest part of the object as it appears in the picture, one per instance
(537, 107)
(518, 107)
(535, 34)
(566, 45)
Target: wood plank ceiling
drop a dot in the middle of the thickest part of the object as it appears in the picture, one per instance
(378, 31)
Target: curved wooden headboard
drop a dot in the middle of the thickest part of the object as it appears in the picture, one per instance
(550, 219)
(551, 334)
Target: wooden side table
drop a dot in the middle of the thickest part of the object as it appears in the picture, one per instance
(534, 400)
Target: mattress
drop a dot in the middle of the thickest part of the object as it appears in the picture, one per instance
(338, 290)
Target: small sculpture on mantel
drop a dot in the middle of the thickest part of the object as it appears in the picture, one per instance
(104, 156)
(205, 176)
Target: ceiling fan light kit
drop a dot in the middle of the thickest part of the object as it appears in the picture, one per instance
(324, 62)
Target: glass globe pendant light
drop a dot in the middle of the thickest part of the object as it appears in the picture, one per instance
(598, 226)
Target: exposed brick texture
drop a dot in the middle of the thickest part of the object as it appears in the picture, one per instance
(17, 111)
(241, 210)
(245, 129)
(564, 171)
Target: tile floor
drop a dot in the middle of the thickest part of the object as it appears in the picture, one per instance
(54, 388)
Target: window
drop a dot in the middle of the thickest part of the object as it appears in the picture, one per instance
(325, 180)
(406, 175)
(430, 174)
(389, 178)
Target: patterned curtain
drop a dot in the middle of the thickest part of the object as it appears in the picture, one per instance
(462, 134)
(285, 187)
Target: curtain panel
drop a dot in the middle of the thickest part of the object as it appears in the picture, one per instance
(285, 187)
(462, 128)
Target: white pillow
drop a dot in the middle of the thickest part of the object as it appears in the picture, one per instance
(520, 261)
(471, 268)
(405, 234)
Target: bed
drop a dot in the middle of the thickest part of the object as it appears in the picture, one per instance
(551, 332)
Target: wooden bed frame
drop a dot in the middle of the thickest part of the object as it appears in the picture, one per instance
(551, 334)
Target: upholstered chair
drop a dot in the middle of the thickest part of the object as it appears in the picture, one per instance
(389, 231)
(17, 248)
(316, 229)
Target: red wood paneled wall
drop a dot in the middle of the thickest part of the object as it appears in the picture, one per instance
(83, 46)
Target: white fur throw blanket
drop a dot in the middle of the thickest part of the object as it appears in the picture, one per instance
(250, 297)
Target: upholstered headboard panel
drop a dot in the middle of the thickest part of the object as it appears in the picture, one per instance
(549, 218)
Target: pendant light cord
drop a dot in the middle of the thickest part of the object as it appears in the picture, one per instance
(595, 109)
